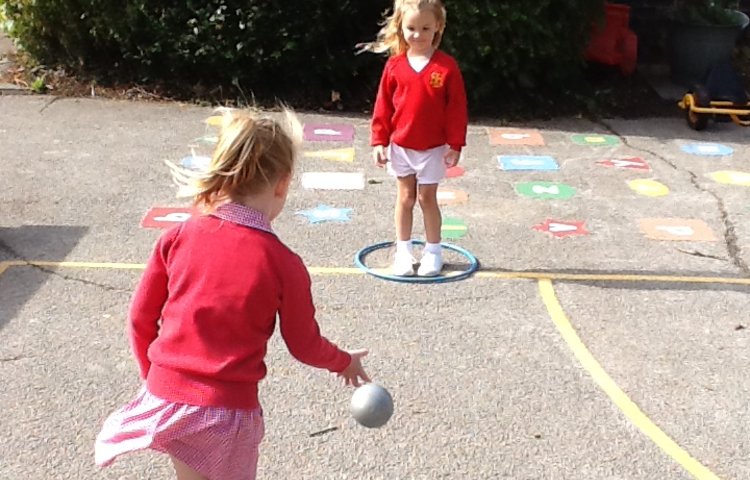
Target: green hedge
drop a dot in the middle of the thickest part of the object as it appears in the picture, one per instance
(519, 49)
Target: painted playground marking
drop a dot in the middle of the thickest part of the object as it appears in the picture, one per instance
(613, 391)
(507, 275)
(546, 290)
(515, 136)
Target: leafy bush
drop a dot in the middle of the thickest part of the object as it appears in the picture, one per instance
(530, 50)
(706, 12)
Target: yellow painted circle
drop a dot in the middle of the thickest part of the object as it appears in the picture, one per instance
(731, 177)
(649, 188)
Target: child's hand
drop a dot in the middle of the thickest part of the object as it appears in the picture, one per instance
(354, 372)
(378, 154)
(451, 158)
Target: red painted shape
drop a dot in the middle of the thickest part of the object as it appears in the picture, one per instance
(634, 163)
(454, 172)
(165, 217)
(562, 228)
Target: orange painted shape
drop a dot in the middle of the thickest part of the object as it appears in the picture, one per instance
(447, 196)
(677, 229)
(515, 136)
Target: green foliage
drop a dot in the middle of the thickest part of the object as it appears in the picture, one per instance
(706, 12)
(263, 45)
(38, 85)
(526, 50)
(520, 50)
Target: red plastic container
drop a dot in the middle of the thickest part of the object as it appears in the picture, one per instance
(614, 43)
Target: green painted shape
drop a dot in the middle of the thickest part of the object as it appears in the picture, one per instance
(545, 190)
(595, 139)
(453, 228)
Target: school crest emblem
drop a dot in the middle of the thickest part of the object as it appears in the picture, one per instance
(436, 80)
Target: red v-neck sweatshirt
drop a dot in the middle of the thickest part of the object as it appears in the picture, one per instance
(206, 307)
(420, 110)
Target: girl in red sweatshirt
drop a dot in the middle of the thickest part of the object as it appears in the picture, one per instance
(206, 306)
(419, 123)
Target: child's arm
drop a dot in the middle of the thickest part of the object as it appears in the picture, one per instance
(147, 304)
(301, 332)
(457, 117)
(382, 112)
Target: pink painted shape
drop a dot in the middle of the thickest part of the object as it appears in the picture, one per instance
(454, 172)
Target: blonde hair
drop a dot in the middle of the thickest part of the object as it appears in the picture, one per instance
(391, 38)
(252, 153)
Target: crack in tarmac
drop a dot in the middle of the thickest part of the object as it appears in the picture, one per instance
(730, 235)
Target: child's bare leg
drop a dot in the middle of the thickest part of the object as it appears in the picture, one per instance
(184, 472)
(431, 212)
(406, 197)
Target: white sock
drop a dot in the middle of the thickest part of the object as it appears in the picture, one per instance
(432, 248)
(403, 246)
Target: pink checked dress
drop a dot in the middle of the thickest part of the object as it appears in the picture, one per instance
(219, 443)
(204, 438)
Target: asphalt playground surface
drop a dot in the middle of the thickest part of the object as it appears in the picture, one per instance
(604, 356)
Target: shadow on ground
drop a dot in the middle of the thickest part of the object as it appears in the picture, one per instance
(30, 242)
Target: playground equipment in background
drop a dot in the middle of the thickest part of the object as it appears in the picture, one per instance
(614, 43)
(722, 95)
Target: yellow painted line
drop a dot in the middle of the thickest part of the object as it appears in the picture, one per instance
(613, 391)
(114, 266)
(605, 277)
(334, 271)
(575, 277)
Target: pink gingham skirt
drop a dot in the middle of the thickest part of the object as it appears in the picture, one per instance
(219, 443)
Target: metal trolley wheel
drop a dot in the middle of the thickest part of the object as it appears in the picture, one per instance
(450, 277)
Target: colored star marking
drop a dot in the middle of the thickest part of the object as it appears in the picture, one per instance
(453, 228)
(195, 162)
(731, 177)
(596, 140)
(634, 163)
(648, 188)
(166, 217)
(447, 196)
(324, 213)
(345, 155)
(562, 228)
(328, 133)
(527, 162)
(515, 136)
(545, 190)
(676, 229)
(333, 180)
(708, 149)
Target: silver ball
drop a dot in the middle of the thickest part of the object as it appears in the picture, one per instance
(372, 405)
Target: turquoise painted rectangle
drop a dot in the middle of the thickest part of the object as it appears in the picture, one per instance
(527, 162)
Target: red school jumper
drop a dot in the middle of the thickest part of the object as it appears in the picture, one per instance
(420, 110)
(206, 307)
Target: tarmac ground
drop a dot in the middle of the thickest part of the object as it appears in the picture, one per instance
(618, 351)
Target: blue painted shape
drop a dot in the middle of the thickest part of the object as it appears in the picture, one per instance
(195, 162)
(707, 149)
(527, 162)
(324, 213)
